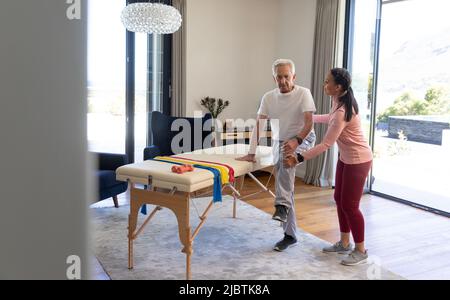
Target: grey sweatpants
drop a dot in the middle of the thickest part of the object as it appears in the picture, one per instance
(284, 184)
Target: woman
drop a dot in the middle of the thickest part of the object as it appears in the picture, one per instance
(355, 160)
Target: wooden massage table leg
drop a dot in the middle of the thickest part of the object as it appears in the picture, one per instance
(177, 202)
(240, 186)
(132, 224)
(234, 205)
(236, 194)
(262, 186)
(241, 183)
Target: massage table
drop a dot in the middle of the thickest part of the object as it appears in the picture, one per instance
(165, 189)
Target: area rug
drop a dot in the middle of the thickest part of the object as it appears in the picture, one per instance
(225, 248)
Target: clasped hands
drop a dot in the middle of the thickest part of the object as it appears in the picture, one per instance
(289, 155)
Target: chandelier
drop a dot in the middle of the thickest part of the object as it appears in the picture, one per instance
(151, 18)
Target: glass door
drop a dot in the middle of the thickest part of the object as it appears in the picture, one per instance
(399, 56)
(152, 85)
(129, 76)
(149, 85)
(412, 134)
(361, 41)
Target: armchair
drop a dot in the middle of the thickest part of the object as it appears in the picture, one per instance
(162, 134)
(108, 186)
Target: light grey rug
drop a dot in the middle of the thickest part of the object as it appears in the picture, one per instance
(225, 248)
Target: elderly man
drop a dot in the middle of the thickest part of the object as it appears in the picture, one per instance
(289, 108)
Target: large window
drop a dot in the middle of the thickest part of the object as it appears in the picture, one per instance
(129, 77)
(401, 65)
(106, 77)
(149, 87)
(413, 103)
(361, 62)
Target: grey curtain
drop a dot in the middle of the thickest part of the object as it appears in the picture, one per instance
(179, 63)
(324, 60)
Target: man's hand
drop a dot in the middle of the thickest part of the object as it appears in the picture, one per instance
(248, 157)
(289, 147)
(290, 161)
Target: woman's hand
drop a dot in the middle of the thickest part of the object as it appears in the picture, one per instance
(289, 147)
(290, 160)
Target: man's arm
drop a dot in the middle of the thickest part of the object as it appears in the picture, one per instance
(294, 142)
(308, 125)
(254, 138)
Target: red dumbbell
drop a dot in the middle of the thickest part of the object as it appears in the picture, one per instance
(182, 169)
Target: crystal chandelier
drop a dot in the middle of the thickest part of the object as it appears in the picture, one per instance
(151, 18)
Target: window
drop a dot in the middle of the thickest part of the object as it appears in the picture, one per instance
(399, 55)
(129, 77)
(106, 77)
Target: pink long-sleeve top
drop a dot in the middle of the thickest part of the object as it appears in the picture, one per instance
(353, 146)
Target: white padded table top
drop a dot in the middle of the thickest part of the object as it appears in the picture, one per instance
(163, 177)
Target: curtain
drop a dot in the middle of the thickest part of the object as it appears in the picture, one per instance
(324, 60)
(179, 63)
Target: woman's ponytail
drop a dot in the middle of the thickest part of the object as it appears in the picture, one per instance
(347, 99)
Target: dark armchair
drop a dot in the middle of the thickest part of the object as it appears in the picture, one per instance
(108, 186)
(198, 134)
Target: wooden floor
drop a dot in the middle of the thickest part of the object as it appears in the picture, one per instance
(410, 242)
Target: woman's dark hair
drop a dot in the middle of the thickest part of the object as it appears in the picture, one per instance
(343, 78)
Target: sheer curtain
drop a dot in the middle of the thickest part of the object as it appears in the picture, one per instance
(324, 60)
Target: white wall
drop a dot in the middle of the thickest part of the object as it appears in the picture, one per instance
(43, 208)
(296, 36)
(231, 45)
(296, 41)
(230, 48)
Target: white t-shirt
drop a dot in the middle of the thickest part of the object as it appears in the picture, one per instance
(285, 111)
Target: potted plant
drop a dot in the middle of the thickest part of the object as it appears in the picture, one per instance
(215, 107)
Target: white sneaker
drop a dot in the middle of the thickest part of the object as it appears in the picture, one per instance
(339, 248)
(355, 258)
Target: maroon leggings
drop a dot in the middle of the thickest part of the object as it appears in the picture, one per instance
(349, 187)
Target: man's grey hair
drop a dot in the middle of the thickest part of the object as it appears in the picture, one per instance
(283, 62)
